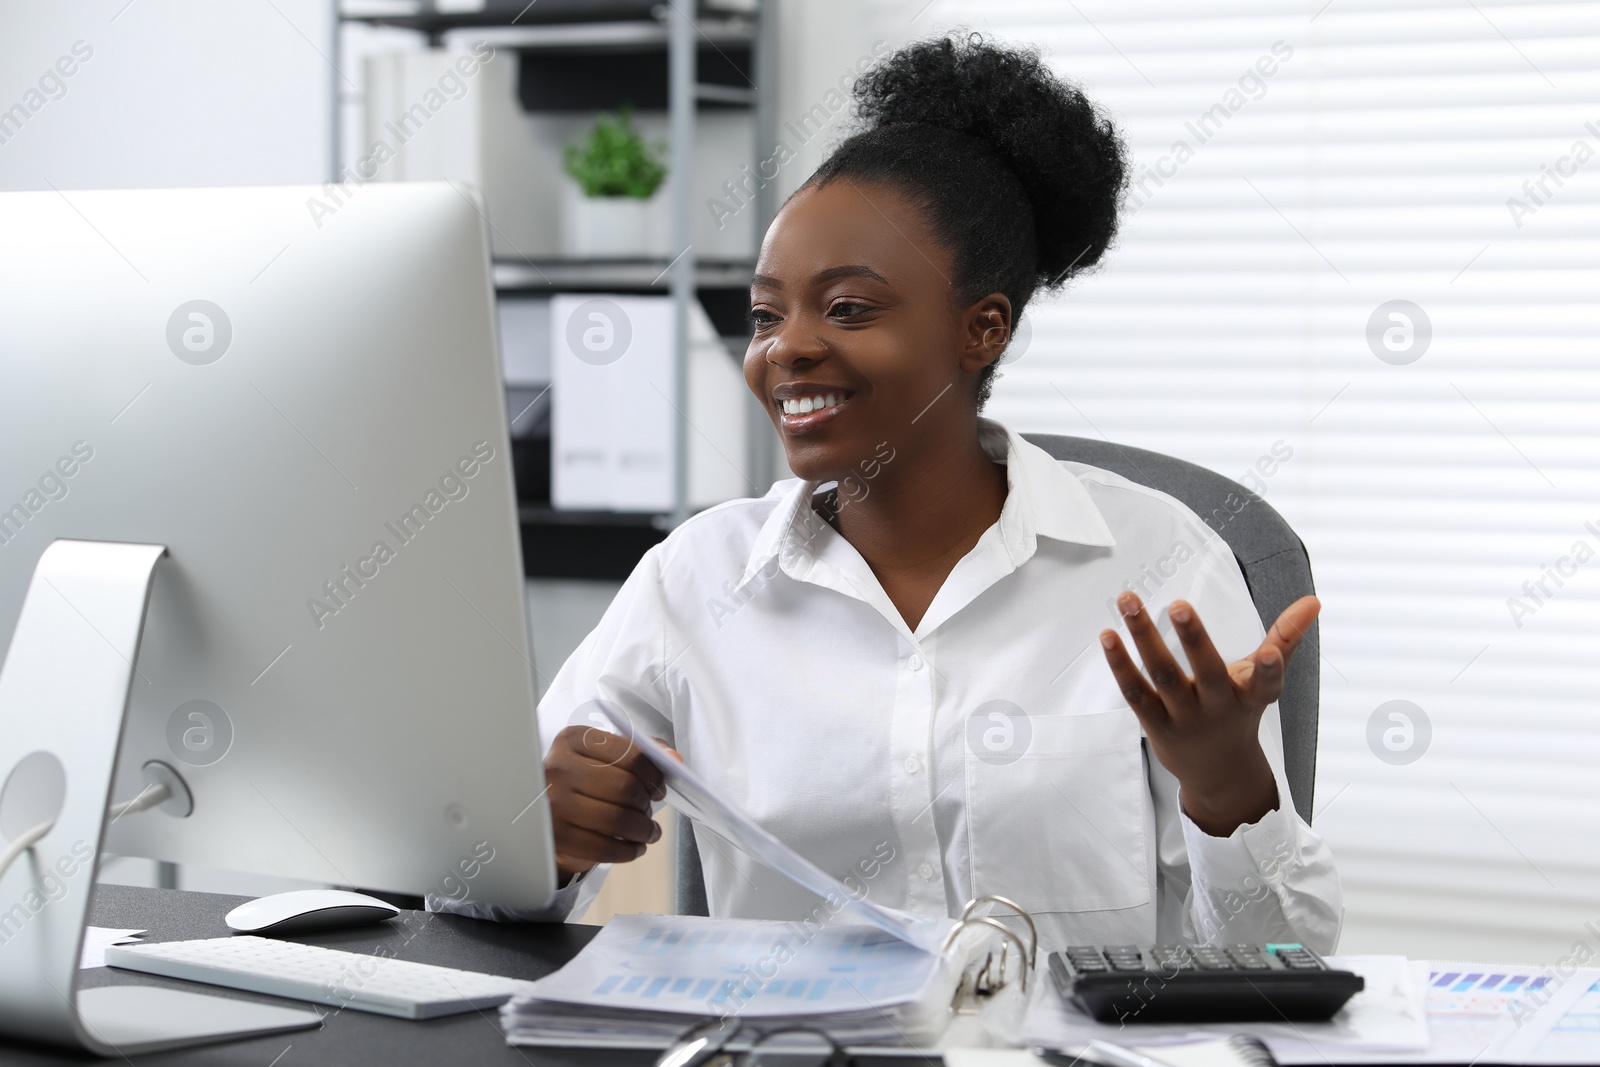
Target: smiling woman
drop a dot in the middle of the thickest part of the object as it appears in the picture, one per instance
(910, 648)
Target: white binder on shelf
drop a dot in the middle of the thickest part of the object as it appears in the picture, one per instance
(614, 406)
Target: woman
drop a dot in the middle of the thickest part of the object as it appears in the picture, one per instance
(898, 662)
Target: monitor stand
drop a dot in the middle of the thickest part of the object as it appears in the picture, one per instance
(63, 698)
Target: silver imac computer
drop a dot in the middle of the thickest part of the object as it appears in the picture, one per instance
(259, 547)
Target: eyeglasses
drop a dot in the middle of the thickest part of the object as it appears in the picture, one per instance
(784, 1046)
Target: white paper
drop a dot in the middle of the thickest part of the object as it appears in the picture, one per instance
(696, 799)
(1387, 1016)
(1573, 1031)
(695, 966)
(96, 939)
(1506, 1013)
(1210, 1051)
(990, 1057)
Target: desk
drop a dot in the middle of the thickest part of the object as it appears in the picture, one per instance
(347, 1037)
(356, 1038)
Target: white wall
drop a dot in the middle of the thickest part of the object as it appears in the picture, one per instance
(825, 44)
(165, 93)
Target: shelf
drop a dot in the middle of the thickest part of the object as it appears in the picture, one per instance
(595, 77)
(604, 36)
(725, 94)
(518, 24)
(593, 545)
(545, 515)
(613, 274)
(575, 57)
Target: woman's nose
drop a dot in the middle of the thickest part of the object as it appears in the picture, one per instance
(793, 346)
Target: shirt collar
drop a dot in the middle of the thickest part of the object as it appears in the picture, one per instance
(1043, 499)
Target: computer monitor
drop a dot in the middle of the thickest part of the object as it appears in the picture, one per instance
(297, 391)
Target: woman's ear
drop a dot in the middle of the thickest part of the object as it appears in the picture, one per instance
(987, 326)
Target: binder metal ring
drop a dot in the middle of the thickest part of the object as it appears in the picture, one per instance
(999, 978)
(1006, 902)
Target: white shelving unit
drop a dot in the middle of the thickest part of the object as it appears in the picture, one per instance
(718, 56)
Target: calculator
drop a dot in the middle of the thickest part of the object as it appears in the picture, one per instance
(1202, 983)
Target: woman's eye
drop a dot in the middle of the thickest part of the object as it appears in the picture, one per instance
(760, 317)
(847, 309)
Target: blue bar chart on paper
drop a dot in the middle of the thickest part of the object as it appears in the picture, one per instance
(1509, 1014)
(669, 967)
(645, 978)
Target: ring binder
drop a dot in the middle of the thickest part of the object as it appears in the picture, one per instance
(978, 984)
(1007, 902)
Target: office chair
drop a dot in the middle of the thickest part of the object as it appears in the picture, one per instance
(1276, 569)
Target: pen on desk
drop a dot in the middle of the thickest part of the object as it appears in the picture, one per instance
(1099, 1052)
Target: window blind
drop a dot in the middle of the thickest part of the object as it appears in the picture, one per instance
(1367, 229)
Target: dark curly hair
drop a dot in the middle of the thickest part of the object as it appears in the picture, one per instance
(1020, 175)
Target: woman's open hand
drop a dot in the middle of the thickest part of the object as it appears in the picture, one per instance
(1204, 729)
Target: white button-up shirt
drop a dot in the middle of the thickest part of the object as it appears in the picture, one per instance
(988, 750)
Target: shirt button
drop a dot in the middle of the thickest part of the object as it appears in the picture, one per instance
(926, 871)
(916, 663)
(912, 766)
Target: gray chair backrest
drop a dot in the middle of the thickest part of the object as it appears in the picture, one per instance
(1276, 570)
(1271, 555)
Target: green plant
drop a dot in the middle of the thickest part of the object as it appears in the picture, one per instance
(613, 160)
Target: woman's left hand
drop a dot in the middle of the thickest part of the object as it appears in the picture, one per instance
(1205, 729)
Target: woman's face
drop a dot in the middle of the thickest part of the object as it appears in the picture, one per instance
(858, 336)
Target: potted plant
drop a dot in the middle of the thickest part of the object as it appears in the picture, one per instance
(618, 172)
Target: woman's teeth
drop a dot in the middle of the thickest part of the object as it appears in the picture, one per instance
(805, 405)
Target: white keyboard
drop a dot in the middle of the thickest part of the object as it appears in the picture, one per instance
(328, 976)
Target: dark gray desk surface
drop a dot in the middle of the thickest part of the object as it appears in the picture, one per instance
(350, 1037)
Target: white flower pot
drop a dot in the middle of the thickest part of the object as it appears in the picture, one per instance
(609, 227)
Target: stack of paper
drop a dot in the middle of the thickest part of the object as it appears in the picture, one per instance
(1505, 1013)
(867, 974)
(647, 978)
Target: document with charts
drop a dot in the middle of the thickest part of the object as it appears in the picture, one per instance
(868, 974)
(646, 978)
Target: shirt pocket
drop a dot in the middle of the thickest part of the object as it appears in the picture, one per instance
(1061, 827)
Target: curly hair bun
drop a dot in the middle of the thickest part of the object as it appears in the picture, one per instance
(1067, 154)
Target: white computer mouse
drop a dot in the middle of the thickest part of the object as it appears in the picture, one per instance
(304, 910)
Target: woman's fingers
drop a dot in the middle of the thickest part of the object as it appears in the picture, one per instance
(579, 848)
(614, 786)
(610, 820)
(1145, 701)
(1169, 679)
(1292, 626)
(1259, 678)
(1211, 676)
(613, 750)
